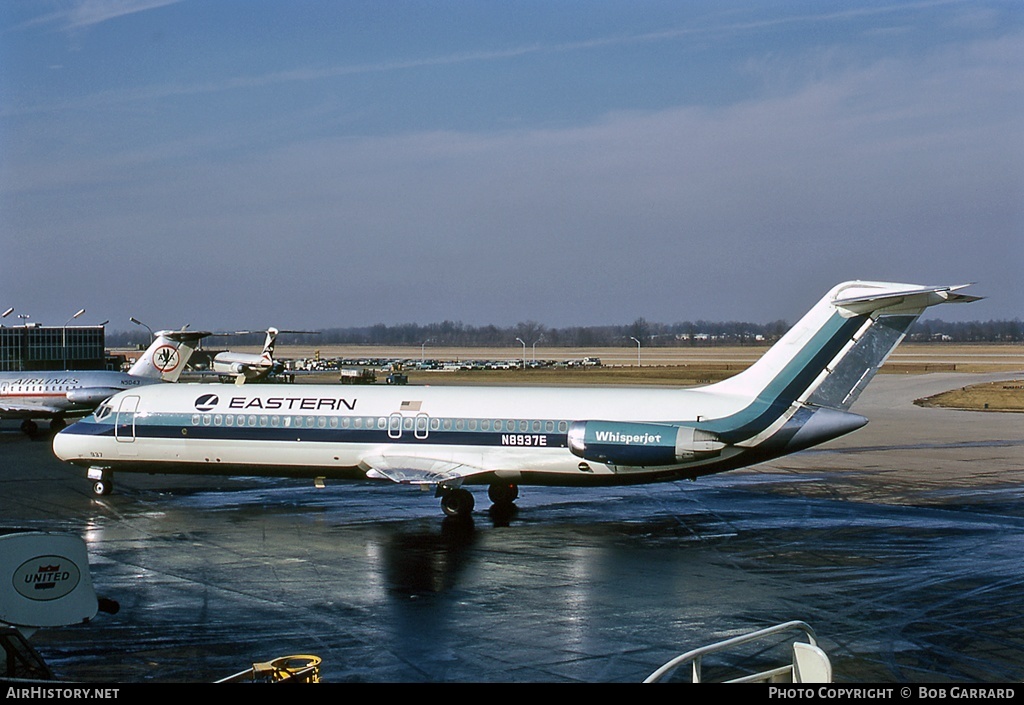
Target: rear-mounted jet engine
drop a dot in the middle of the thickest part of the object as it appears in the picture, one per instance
(641, 444)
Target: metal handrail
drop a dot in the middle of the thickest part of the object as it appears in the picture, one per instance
(696, 655)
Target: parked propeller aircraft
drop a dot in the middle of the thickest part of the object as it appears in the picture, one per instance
(796, 396)
(251, 367)
(56, 395)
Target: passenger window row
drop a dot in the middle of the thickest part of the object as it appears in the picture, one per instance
(407, 423)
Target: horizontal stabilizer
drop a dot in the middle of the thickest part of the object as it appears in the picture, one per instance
(914, 299)
(184, 336)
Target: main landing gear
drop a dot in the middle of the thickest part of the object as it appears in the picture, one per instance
(459, 502)
(31, 428)
(503, 494)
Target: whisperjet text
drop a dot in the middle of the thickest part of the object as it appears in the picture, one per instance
(293, 403)
(627, 438)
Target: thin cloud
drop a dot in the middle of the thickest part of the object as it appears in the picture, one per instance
(92, 12)
(88, 13)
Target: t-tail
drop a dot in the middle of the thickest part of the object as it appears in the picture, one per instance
(166, 358)
(268, 347)
(801, 390)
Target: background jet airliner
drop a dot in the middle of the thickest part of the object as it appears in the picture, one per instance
(55, 395)
(796, 396)
(251, 367)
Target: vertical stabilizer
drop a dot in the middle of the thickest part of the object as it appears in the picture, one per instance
(166, 358)
(267, 356)
(831, 354)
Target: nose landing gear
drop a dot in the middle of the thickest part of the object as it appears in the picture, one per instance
(102, 481)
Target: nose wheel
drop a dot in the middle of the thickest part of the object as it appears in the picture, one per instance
(102, 481)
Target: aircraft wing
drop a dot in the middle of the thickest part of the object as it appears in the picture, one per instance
(16, 408)
(413, 470)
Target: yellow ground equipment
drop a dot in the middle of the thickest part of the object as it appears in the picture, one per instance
(301, 668)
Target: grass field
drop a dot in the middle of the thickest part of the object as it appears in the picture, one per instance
(693, 366)
(994, 396)
(909, 357)
(675, 367)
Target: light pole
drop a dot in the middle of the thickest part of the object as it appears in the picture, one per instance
(423, 346)
(24, 317)
(637, 350)
(64, 335)
(524, 351)
(535, 347)
(137, 322)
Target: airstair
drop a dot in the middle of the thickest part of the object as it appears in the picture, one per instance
(808, 663)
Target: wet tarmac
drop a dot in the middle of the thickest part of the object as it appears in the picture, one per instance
(902, 545)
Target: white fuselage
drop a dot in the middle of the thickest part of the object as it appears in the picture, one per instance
(325, 430)
(35, 394)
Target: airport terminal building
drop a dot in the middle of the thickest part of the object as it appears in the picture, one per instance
(36, 348)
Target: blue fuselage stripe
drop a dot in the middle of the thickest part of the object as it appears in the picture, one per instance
(788, 385)
(187, 431)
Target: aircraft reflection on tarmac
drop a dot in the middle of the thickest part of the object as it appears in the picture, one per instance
(572, 594)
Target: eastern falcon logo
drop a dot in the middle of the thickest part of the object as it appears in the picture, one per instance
(207, 402)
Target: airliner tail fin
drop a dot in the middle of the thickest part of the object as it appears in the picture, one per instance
(166, 358)
(832, 353)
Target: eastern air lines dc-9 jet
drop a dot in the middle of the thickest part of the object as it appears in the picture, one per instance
(797, 395)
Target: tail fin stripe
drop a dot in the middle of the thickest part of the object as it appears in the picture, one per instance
(786, 387)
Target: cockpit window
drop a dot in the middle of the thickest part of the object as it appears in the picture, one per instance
(104, 410)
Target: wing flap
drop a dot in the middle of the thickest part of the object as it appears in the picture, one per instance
(415, 470)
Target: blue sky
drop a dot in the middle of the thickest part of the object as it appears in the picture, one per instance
(244, 164)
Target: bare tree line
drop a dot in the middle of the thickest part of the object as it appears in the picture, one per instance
(648, 333)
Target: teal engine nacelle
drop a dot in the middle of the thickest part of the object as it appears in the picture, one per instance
(641, 444)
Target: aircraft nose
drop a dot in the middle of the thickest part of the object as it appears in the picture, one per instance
(62, 445)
